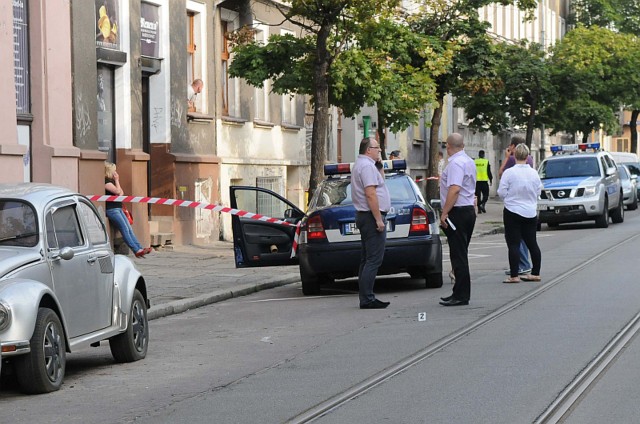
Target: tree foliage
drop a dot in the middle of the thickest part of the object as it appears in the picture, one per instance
(590, 69)
(456, 22)
(305, 65)
(514, 94)
(390, 67)
(621, 16)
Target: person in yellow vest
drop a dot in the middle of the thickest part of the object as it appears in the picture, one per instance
(483, 181)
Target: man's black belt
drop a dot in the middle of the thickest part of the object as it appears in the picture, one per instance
(381, 213)
(463, 207)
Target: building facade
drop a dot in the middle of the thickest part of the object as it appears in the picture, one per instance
(110, 82)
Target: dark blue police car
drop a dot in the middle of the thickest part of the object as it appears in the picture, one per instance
(329, 243)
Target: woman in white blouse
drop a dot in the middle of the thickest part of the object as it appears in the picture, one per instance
(520, 187)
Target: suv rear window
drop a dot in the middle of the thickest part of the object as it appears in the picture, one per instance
(338, 192)
(574, 166)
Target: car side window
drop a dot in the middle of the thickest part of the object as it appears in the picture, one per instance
(63, 228)
(604, 165)
(609, 161)
(95, 229)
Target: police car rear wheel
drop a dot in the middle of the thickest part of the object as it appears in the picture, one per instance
(310, 282)
(434, 280)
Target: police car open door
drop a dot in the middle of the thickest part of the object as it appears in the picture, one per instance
(258, 241)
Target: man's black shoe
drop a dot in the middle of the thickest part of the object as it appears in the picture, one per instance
(483, 209)
(446, 299)
(376, 304)
(454, 302)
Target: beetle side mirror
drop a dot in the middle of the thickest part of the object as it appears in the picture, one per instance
(66, 253)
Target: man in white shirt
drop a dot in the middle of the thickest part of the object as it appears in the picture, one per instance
(372, 202)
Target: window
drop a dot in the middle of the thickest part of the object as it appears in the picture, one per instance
(224, 58)
(261, 94)
(19, 226)
(230, 21)
(95, 229)
(196, 51)
(63, 228)
(21, 56)
(106, 112)
(288, 100)
(266, 204)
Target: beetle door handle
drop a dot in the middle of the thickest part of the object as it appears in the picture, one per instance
(92, 260)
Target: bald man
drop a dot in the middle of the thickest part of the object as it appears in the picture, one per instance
(457, 192)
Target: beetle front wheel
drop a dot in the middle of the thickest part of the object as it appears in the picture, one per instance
(42, 370)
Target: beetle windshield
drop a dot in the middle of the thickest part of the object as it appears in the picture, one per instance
(570, 167)
(18, 225)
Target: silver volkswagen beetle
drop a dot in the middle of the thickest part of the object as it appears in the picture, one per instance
(61, 286)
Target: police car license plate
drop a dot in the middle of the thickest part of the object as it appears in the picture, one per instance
(351, 229)
(544, 207)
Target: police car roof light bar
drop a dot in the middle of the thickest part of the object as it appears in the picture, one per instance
(345, 168)
(573, 148)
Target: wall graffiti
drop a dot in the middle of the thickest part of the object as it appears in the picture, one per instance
(177, 113)
(156, 119)
(83, 120)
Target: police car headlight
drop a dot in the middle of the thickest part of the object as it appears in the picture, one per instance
(590, 191)
(5, 315)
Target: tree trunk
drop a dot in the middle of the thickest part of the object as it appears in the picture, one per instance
(382, 137)
(432, 185)
(321, 111)
(633, 127)
(531, 122)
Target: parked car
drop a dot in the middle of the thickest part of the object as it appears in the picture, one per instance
(329, 242)
(629, 187)
(61, 286)
(624, 157)
(581, 183)
(634, 169)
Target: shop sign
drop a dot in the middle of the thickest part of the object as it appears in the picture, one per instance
(107, 24)
(149, 30)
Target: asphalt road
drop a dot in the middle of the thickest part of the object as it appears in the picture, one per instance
(268, 357)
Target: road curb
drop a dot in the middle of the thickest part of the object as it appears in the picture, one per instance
(183, 305)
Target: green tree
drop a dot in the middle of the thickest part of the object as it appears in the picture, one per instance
(590, 68)
(514, 95)
(457, 22)
(390, 67)
(622, 16)
(304, 65)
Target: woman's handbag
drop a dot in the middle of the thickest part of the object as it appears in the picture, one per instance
(127, 214)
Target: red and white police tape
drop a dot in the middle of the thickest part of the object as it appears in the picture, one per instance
(200, 205)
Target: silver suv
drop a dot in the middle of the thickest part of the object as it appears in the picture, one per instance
(581, 183)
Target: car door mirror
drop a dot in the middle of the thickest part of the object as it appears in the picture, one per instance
(65, 253)
(292, 215)
(611, 171)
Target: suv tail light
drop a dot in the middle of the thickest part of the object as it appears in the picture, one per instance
(315, 229)
(419, 222)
